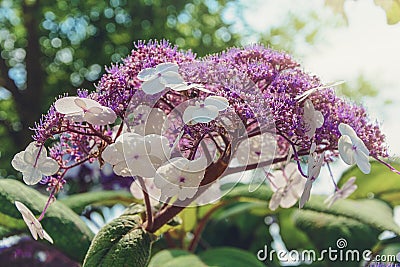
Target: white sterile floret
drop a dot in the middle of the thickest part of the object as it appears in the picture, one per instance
(84, 109)
(315, 162)
(347, 189)
(313, 119)
(352, 149)
(34, 163)
(180, 177)
(157, 79)
(133, 154)
(205, 111)
(33, 224)
(256, 149)
(287, 185)
(153, 192)
(147, 120)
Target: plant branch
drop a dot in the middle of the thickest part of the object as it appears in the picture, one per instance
(201, 225)
(149, 213)
(212, 173)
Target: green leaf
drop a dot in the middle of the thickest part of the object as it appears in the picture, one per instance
(218, 257)
(189, 218)
(241, 191)
(227, 257)
(69, 232)
(175, 258)
(325, 229)
(380, 183)
(78, 202)
(290, 233)
(5, 232)
(372, 212)
(122, 242)
(239, 207)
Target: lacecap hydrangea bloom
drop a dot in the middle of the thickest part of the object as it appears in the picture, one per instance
(182, 122)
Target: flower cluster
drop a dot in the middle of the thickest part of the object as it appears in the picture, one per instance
(177, 124)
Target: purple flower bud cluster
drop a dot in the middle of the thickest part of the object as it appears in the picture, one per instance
(260, 84)
(281, 79)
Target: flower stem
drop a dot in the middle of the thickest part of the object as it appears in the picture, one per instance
(149, 213)
(201, 225)
(49, 200)
(331, 174)
(387, 165)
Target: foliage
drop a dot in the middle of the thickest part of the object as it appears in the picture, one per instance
(71, 233)
(122, 242)
(371, 186)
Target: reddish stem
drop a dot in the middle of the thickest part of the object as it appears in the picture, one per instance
(201, 225)
(149, 213)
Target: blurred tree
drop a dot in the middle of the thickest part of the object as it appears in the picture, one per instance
(51, 47)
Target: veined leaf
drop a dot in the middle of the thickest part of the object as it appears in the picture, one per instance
(78, 202)
(69, 232)
(381, 183)
(122, 242)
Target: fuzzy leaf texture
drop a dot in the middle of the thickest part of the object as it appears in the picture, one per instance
(122, 242)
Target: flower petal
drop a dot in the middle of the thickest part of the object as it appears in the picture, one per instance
(179, 87)
(18, 162)
(159, 146)
(168, 66)
(47, 237)
(305, 196)
(141, 166)
(210, 195)
(188, 114)
(221, 103)
(29, 219)
(122, 169)
(171, 78)
(152, 86)
(100, 116)
(112, 155)
(346, 149)
(31, 175)
(288, 199)
(205, 114)
(48, 166)
(319, 119)
(80, 103)
(147, 74)
(33, 153)
(67, 105)
(362, 161)
(346, 129)
(276, 199)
